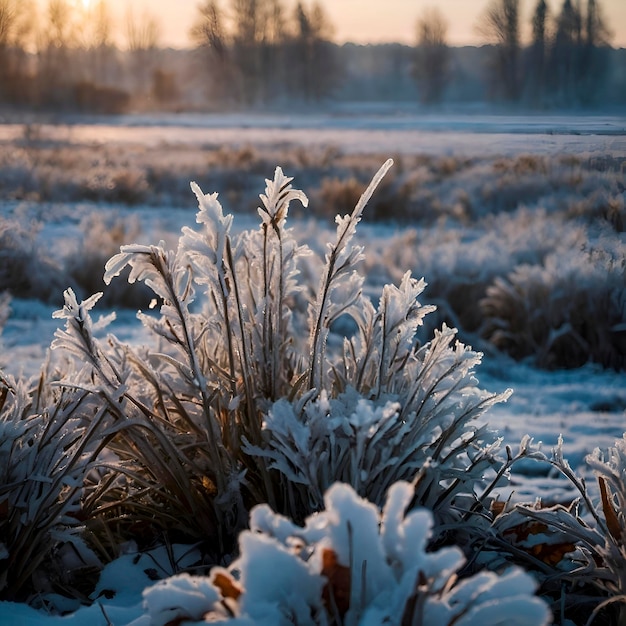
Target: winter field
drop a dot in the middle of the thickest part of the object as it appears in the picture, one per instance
(517, 225)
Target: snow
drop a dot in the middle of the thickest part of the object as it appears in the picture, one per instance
(117, 597)
(396, 133)
(587, 406)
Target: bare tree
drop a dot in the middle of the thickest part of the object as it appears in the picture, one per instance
(596, 30)
(313, 68)
(99, 45)
(143, 33)
(566, 51)
(537, 55)
(17, 21)
(212, 43)
(579, 62)
(250, 36)
(102, 21)
(594, 62)
(272, 49)
(57, 37)
(432, 56)
(236, 52)
(500, 26)
(275, 22)
(7, 17)
(259, 34)
(262, 53)
(143, 36)
(59, 31)
(208, 30)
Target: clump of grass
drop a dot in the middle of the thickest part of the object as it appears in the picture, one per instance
(24, 271)
(101, 238)
(47, 449)
(576, 551)
(563, 313)
(242, 398)
(246, 397)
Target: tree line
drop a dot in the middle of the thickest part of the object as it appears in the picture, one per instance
(64, 56)
(250, 52)
(261, 52)
(565, 64)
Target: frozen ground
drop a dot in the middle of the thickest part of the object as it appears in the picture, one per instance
(587, 406)
(397, 133)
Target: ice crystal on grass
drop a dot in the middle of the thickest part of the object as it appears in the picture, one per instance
(245, 401)
(46, 452)
(564, 312)
(247, 396)
(242, 399)
(575, 550)
(350, 564)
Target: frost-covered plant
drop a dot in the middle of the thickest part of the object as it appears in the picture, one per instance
(611, 473)
(411, 415)
(46, 451)
(160, 454)
(24, 271)
(250, 398)
(461, 262)
(100, 239)
(350, 564)
(577, 552)
(568, 310)
(5, 310)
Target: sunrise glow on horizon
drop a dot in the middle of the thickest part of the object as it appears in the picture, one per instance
(361, 21)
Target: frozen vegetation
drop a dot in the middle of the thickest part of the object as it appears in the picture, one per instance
(294, 431)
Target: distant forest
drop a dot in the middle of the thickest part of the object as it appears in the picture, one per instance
(259, 53)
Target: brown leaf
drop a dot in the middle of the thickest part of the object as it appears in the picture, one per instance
(552, 553)
(227, 586)
(497, 507)
(336, 592)
(612, 522)
(209, 486)
(549, 553)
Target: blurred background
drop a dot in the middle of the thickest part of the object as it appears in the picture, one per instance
(505, 118)
(115, 56)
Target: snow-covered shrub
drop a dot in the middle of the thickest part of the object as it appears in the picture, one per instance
(602, 205)
(24, 271)
(611, 518)
(461, 262)
(350, 564)
(46, 451)
(569, 310)
(249, 398)
(100, 239)
(398, 414)
(576, 551)
(338, 195)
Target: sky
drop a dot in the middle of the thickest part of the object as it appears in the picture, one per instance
(368, 21)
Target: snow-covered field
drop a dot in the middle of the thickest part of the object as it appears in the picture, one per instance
(586, 405)
(387, 132)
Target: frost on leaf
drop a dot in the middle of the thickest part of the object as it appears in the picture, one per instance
(278, 194)
(245, 400)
